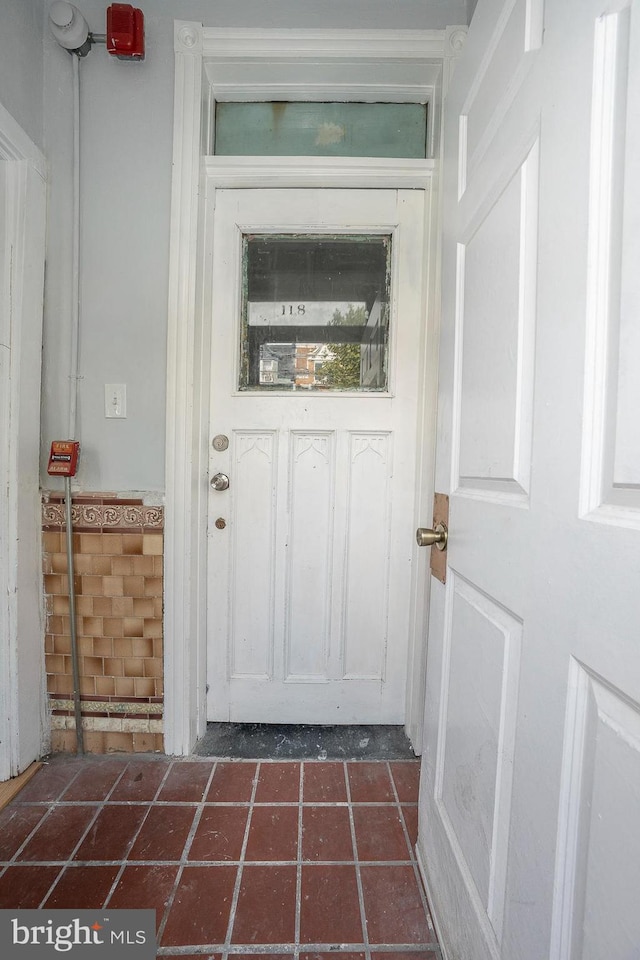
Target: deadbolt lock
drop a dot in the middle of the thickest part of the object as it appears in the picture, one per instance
(220, 442)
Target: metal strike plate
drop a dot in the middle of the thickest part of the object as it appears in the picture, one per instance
(438, 559)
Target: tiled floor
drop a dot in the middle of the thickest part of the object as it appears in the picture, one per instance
(290, 859)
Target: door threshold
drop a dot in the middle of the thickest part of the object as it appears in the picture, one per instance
(287, 741)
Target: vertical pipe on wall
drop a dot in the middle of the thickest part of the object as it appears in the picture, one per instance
(73, 392)
(75, 269)
(72, 619)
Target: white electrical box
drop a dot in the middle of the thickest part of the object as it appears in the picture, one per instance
(115, 400)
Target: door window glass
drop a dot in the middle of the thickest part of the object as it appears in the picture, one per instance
(315, 313)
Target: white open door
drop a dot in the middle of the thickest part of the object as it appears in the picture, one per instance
(529, 833)
(317, 338)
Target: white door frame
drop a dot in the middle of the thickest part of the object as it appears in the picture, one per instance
(237, 64)
(22, 238)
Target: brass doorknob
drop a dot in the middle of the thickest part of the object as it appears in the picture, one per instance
(220, 481)
(436, 537)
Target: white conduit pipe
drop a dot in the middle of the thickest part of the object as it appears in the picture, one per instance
(75, 254)
(73, 393)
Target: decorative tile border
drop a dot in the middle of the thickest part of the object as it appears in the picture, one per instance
(108, 724)
(103, 516)
(107, 707)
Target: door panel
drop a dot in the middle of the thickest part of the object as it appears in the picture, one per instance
(497, 335)
(611, 455)
(311, 558)
(253, 471)
(309, 574)
(530, 792)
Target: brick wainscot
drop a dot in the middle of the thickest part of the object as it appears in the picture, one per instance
(117, 546)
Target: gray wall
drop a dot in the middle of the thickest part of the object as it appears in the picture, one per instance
(21, 65)
(126, 143)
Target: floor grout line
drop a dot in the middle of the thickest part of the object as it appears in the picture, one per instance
(414, 862)
(99, 808)
(212, 863)
(354, 842)
(49, 807)
(197, 818)
(268, 949)
(401, 815)
(216, 803)
(137, 832)
(243, 853)
(299, 863)
(183, 860)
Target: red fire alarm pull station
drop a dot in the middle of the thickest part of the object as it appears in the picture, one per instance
(63, 458)
(125, 31)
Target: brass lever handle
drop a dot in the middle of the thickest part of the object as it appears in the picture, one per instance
(436, 537)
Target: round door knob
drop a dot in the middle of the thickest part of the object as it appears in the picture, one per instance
(220, 481)
(436, 537)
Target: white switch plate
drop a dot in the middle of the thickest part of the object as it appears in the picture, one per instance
(115, 400)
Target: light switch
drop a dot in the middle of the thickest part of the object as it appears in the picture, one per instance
(115, 400)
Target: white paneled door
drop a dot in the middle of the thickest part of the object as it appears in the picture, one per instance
(317, 319)
(529, 831)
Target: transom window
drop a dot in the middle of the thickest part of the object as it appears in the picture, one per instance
(308, 129)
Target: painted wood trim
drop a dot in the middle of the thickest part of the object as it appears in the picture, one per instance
(371, 173)
(598, 497)
(22, 732)
(8, 437)
(11, 788)
(235, 43)
(180, 557)
(16, 145)
(421, 582)
(427, 52)
(185, 514)
(421, 861)
(454, 41)
(231, 91)
(566, 864)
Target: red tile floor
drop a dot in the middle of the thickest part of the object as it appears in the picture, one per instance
(289, 859)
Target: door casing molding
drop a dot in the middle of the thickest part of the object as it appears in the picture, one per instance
(22, 244)
(234, 64)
